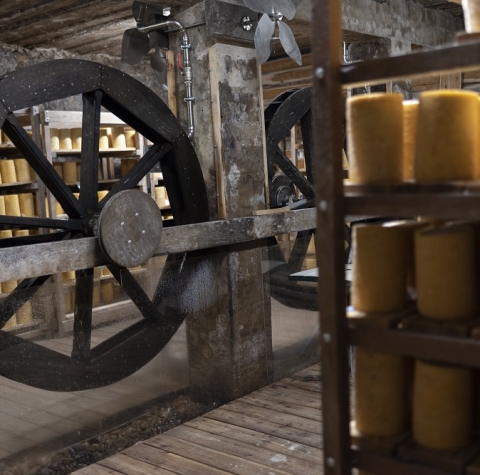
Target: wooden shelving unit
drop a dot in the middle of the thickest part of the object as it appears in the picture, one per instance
(335, 201)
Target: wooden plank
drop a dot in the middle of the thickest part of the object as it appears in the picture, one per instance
(214, 458)
(442, 60)
(257, 439)
(131, 466)
(262, 413)
(282, 393)
(50, 258)
(266, 456)
(266, 427)
(97, 470)
(171, 82)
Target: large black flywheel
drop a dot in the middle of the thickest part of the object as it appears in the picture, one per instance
(122, 219)
(291, 187)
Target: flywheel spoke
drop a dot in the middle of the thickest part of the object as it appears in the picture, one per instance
(299, 251)
(141, 168)
(35, 223)
(82, 326)
(292, 172)
(92, 103)
(42, 167)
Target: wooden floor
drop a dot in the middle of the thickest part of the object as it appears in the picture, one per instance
(276, 430)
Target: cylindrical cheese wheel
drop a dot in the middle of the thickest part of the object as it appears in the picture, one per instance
(106, 292)
(160, 196)
(58, 168)
(27, 206)
(12, 322)
(58, 208)
(445, 272)
(68, 275)
(20, 232)
(379, 268)
(442, 406)
(104, 138)
(9, 286)
(70, 172)
(410, 110)
(12, 205)
(76, 135)
(79, 171)
(101, 194)
(2, 206)
(7, 169)
(22, 170)
(471, 14)
(375, 138)
(447, 143)
(54, 139)
(65, 139)
(130, 138)
(127, 165)
(118, 137)
(96, 295)
(5, 233)
(25, 315)
(380, 393)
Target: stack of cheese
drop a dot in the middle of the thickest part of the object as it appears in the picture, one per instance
(447, 283)
(433, 140)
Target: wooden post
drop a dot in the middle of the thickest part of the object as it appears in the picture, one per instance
(171, 82)
(328, 114)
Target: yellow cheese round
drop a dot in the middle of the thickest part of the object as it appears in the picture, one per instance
(130, 138)
(160, 196)
(471, 14)
(127, 165)
(10, 323)
(65, 139)
(20, 232)
(54, 139)
(379, 268)
(7, 169)
(12, 205)
(410, 110)
(447, 143)
(2, 206)
(58, 209)
(104, 138)
(27, 205)
(22, 170)
(70, 172)
(68, 276)
(101, 194)
(445, 272)
(5, 233)
(76, 134)
(59, 169)
(375, 138)
(442, 406)
(380, 393)
(118, 137)
(106, 292)
(9, 286)
(25, 314)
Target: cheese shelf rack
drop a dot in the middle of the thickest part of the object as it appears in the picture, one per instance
(335, 201)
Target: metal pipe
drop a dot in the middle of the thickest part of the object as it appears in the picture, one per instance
(187, 67)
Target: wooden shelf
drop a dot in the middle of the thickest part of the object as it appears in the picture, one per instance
(9, 188)
(446, 201)
(73, 155)
(459, 57)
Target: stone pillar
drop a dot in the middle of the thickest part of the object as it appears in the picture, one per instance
(229, 340)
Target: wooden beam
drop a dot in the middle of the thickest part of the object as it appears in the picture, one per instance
(51, 258)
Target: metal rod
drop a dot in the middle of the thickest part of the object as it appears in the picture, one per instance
(187, 67)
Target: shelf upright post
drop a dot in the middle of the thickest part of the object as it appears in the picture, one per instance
(328, 123)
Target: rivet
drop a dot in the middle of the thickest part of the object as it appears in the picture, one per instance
(323, 205)
(136, 214)
(326, 337)
(320, 73)
(129, 241)
(144, 232)
(122, 223)
(330, 462)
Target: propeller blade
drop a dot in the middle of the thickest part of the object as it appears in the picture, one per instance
(260, 6)
(135, 46)
(287, 8)
(288, 42)
(159, 66)
(263, 38)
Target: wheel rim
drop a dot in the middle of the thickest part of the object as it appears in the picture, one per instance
(135, 104)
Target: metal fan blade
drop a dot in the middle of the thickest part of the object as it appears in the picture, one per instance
(263, 38)
(288, 42)
(159, 66)
(287, 8)
(135, 46)
(260, 6)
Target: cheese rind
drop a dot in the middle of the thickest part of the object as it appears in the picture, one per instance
(447, 144)
(445, 272)
(410, 112)
(379, 268)
(442, 406)
(380, 393)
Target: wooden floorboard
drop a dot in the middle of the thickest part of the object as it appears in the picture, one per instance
(273, 431)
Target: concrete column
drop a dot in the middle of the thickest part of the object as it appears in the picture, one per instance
(229, 341)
